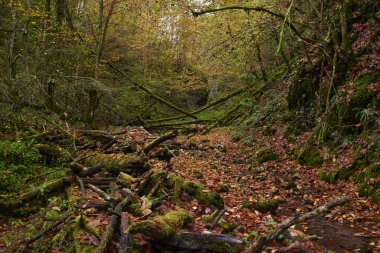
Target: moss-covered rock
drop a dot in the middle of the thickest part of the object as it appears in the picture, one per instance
(264, 206)
(267, 155)
(310, 157)
(163, 226)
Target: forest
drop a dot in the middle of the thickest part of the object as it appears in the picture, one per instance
(189, 126)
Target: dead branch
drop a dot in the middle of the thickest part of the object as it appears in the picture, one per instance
(248, 9)
(144, 182)
(53, 227)
(216, 102)
(260, 243)
(217, 218)
(101, 193)
(158, 141)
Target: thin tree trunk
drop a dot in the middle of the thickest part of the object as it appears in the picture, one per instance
(258, 54)
(343, 21)
(59, 12)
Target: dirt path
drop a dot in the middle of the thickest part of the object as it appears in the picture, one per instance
(224, 165)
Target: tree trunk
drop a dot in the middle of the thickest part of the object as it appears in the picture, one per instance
(262, 67)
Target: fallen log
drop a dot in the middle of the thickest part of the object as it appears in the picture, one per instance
(223, 118)
(162, 226)
(125, 239)
(231, 111)
(127, 204)
(263, 240)
(115, 163)
(216, 102)
(101, 193)
(217, 218)
(8, 206)
(52, 152)
(194, 189)
(111, 229)
(203, 241)
(97, 136)
(155, 96)
(129, 148)
(35, 193)
(160, 181)
(53, 227)
(98, 181)
(91, 170)
(159, 140)
(125, 180)
(173, 124)
(144, 182)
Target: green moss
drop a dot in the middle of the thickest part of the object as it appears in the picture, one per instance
(365, 191)
(263, 206)
(223, 188)
(268, 131)
(267, 155)
(345, 173)
(18, 152)
(227, 227)
(164, 226)
(328, 177)
(373, 170)
(125, 180)
(196, 190)
(310, 157)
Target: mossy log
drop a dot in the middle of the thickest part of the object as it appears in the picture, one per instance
(9, 206)
(194, 189)
(125, 180)
(204, 241)
(163, 226)
(129, 205)
(54, 152)
(159, 140)
(115, 163)
(97, 136)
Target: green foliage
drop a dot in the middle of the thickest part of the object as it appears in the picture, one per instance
(18, 152)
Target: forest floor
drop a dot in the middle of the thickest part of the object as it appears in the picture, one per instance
(215, 160)
(231, 167)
